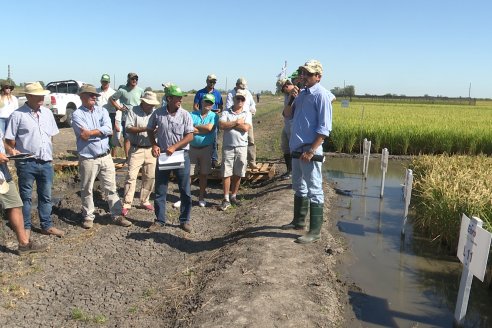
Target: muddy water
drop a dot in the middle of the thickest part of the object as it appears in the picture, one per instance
(403, 283)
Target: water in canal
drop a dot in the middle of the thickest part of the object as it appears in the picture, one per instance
(403, 283)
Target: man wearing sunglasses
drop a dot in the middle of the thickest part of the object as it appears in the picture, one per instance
(249, 106)
(129, 96)
(311, 113)
(236, 123)
(217, 108)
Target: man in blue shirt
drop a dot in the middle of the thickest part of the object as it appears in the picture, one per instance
(92, 127)
(217, 108)
(311, 113)
(205, 123)
(30, 130)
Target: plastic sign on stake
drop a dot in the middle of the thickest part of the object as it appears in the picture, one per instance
(384, 168)
(367, 153)
(364, 148)
(407, 195)
(473, 252)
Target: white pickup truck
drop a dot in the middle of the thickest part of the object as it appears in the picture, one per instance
(63, 100)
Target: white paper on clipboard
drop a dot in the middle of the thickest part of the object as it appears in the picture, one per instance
(175, 161)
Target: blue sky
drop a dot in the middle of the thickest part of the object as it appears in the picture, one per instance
(433, 47)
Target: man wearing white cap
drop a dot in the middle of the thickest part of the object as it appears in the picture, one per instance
(30, 130)
(140, 155)
(92, 127)
(249, 106)
(311, 113)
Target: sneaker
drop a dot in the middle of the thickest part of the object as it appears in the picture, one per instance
(177, 204)
(215, 164)
(185, 226)
(122, 221)
(125, 211)
(32, 247)
(155, 227)
(235, 202)
(87, 224)
(225, 205)
(148, 207)
(202, 203)
(53, 231)
(286, 176)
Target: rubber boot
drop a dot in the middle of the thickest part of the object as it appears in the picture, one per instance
(315, 222)
(288, 162)
(301, 205)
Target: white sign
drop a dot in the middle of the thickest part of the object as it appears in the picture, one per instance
(384, 160)
(474, 246)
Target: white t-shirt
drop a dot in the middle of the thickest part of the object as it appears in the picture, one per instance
(103, 100)
(9, 105)
(249, 105)
(233, 137)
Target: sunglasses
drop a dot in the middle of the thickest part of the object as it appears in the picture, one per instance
(212, 81)
(134, 78)
(241, 99)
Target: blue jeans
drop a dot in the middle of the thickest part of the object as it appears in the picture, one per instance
(215, 155)
(161, 183)
(29, 171)
(307, 179)
(3, 125)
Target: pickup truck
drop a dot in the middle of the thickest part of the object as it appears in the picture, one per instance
(63, 100)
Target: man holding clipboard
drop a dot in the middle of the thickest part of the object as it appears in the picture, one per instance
(170, 130)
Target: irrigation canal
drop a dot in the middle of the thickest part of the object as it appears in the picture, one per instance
(401, 282)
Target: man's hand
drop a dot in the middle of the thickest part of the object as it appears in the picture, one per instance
(295, 91)
(240, 120)
(3, 158)
(170, 150)
(156, 151)
(306, 156)
(85, 134)
(12, 151)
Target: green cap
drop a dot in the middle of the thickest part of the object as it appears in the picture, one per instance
(209, 97)
(105, 78)
(294, 75)
(173, 90)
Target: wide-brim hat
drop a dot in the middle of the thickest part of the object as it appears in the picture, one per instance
(150, 98)
(4, 187)
(6, 84)
(88, 88)
(35, 89)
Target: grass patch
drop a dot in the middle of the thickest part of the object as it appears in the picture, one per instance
(79, 315)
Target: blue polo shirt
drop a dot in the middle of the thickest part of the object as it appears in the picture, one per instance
(312, 116)
(32, 132)
(199, 96)
(204, 139)
(97, 119)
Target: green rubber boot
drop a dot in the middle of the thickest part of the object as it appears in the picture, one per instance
(301, 205)
(315, 222)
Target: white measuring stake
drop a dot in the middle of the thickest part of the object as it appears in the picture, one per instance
(384, 168)
(364, 153)
(473, 252)
(367, 154)
(407, 195)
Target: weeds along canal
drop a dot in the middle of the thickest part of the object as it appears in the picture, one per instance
(399, 282)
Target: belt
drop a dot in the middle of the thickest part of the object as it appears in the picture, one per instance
(39, 161)
(137, 146)
(101, 155)
(200, 147)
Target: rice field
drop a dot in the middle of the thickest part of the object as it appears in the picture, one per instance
(413, 129)
(447, 186)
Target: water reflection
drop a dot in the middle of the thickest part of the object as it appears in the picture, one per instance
(405, 282)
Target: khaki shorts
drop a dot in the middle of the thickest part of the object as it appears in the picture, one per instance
(11, 199)
(201, 157)
(234, 161)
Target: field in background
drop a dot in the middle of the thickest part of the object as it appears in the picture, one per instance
(412, 129)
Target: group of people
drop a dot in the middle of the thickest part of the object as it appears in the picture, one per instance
(150, 136)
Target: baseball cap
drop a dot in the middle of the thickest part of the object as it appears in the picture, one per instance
(211, 77)
(173, 90)
(294, 75)
(242, 83)
(313, 66)
(241, 92)
(209, 97)
(132, 75)
(105, 78)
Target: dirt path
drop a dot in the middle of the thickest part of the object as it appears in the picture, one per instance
(237, 269)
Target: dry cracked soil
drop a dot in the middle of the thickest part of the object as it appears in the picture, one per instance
(236, 269)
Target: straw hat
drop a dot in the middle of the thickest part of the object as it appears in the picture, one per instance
(35, 89)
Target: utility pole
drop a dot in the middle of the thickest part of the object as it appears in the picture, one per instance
(8, 73)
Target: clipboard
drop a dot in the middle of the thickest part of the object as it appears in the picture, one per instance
(20, 156)
(175, 161)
